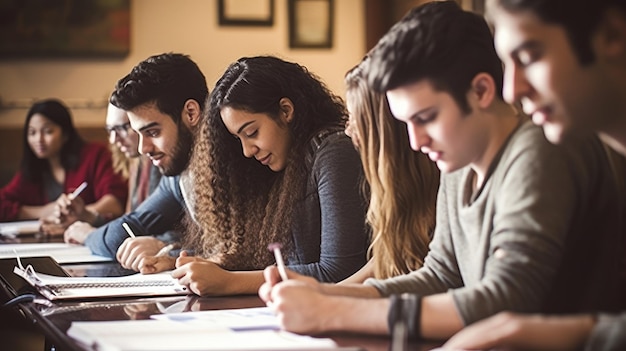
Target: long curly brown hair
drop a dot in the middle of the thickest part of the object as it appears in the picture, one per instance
(239, 205)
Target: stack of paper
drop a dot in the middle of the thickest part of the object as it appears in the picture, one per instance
(61, 252)
(243, 329)
(19, 228)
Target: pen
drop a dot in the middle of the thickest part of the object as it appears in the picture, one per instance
(78, 190)
(279, 260)
(128, 230)
(165, 250)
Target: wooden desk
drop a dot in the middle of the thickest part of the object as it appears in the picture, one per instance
(55, 320)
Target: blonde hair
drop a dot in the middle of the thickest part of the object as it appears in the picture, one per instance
(121, 163)
(403, 183)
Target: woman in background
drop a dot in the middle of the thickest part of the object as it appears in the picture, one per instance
(55, 162)
(402, 183)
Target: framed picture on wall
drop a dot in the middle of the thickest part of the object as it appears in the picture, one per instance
(246, 12)
(311, 23)
(85, 28)
(477, 6)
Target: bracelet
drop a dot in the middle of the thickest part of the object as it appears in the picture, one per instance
(405, 309)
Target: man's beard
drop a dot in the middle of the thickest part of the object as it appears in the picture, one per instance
(181, 153)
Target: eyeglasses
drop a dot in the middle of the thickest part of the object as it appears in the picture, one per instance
(120, 129)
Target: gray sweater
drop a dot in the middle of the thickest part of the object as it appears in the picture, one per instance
(609, 334)
(330, 235)
(539, 236)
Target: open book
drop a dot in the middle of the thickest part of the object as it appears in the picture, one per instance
(59, 288)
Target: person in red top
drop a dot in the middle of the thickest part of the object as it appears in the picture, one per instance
(55, 162)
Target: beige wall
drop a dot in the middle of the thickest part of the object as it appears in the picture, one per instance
(187, 26)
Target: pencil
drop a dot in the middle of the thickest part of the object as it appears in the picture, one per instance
(279, 260)
(128, 230)
(78, 190)
(165, 250)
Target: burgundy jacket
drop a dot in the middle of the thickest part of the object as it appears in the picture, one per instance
(95, 167)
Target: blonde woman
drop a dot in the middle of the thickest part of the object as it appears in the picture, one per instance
(402, 183)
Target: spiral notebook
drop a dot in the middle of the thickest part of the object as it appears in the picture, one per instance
(136, 285)
(13, 285)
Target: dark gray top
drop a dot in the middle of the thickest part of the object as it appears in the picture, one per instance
(331, 239)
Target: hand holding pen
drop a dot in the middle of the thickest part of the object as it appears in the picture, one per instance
(70, 204)
(271, 278)
(144, 253)
(160, 262)
(278, 256)
(67, 209)
(279, 274)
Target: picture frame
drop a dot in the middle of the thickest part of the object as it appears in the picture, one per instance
(477, 6)
(246, 12)
(64, 29)
(311, 23)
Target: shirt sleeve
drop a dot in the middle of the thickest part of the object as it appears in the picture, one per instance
(161, 212)
(12, 196)
(608, 334)
(98, 172)
(440, 271)
(343, 241)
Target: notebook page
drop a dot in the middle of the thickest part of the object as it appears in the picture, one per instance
(161, 335)
(236, 319)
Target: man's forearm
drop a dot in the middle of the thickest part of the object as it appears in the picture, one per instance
(358, 315)
(350, 290)
(439, 317)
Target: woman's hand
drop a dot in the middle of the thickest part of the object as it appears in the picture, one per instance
(70, 209)
(156, 264)
(202, 276)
